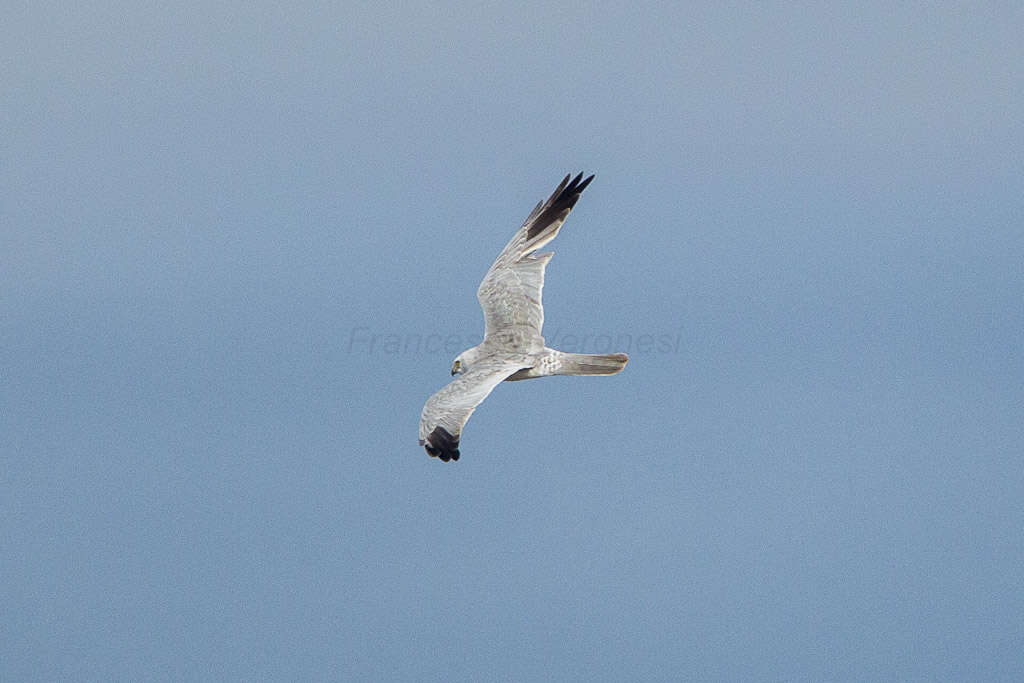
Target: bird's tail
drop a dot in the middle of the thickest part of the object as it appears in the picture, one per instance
(586, 364)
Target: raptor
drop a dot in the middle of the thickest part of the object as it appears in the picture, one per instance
(513, 347)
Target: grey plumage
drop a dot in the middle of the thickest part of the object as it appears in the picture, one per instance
(513, 347)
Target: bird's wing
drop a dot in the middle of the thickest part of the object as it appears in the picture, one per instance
(510, 293)
(446, 412)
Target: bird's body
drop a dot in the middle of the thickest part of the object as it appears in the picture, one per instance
(513, 347)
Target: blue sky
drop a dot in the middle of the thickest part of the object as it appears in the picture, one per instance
(208, 474)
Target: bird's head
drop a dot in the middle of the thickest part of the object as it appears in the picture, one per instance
(464, 361)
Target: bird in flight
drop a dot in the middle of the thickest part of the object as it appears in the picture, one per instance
(513, 348)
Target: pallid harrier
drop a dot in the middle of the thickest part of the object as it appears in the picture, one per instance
(513, 347)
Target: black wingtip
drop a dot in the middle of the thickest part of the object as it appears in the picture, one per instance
(571, 193)
(582, 186)
(441, 444)
(561, 202)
